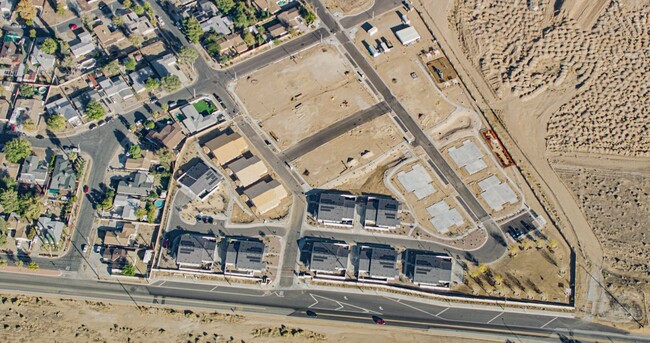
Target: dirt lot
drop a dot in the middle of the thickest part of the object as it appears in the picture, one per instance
(348, 151)
(616, 206)
(348, 7)
(533, 270)
(215, 204)
(31, 319)
(296, 98)
(591, 82)
(419, 95)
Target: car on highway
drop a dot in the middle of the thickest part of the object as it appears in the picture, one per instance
(378, 320)
(86, 189)
(311, 314)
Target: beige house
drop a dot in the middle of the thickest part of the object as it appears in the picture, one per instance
(122, 238)
(226, 147)
(266, 195)
(108, 37)
(143, 163)
(248, 169)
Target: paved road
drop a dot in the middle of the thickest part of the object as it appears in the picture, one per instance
(376, 10)
(348, 306)
(298, 208)
(496, 244)
(342, 126)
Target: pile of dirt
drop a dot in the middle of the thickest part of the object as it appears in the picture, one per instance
(596, 79)
(287, 332)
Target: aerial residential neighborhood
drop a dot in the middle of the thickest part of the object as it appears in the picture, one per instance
(269, 163)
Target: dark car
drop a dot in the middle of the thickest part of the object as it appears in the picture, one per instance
(86, 189)
(311, 314)
(166, 243)
(92, 126)
(378, 320)
(210, 220)
(206, 219)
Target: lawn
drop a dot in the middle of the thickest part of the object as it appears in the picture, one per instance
(205, 107)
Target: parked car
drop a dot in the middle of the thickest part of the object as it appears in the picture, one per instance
(92, 126)
(73, 26)
(378, 320)
(84, 248)
(86, 189)
(160, 21)
(166, 243)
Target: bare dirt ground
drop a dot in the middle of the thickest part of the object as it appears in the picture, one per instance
(32, 319)
(527, 65)
(419, 95)
(616, 206)
(348, 151)
(215, 204)
(296, 98)
(348, 7)
(527, 54)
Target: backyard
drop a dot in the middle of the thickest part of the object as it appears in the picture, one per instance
(205, 107)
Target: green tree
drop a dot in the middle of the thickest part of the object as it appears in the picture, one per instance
(225, 6)
(67, 62)
(165, 107)
(4, 227)
(17, 149)
(26, 10)
(140, 213)
(137, 9)
(136, 40)
(149, 124)
(9, 201)
(64, 47)
(187, 54)
(49, 46)
(166, 156)
(26, 91)
(135, 151)
(129, 64)
(170, 83)
(309, 16)
(117, 21)
(56, 122)
(192, 30)
(111, 68)
(94, 110)
(72, 156)
(3, 241)
(107, 202)
(146, 6)
(7, 182)
(33, 265)
(151, 213)
(31, 207)
(128, 270)
(127, 3)
(60, 9)
(152, 84)
(29, 125)
(249, 39)
(32, 33)
(19, 263)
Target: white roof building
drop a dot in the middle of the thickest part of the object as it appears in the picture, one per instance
(417, 181)
(496, 193)
(468, 156)
(443, 217)
(408, 35)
